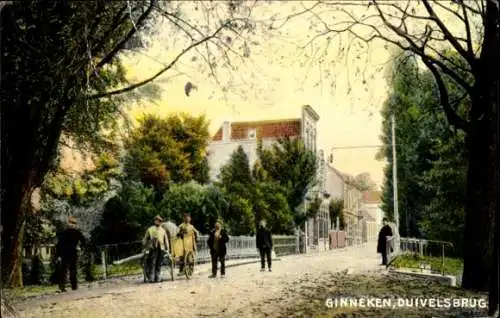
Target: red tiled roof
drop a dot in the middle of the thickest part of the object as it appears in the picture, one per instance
(264, 129)
(372, 197)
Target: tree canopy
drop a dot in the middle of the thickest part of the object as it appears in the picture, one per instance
(170, 150)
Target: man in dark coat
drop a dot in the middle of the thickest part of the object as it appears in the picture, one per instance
(385, 231)
(67, 247)
(217, 241)
(265, 245)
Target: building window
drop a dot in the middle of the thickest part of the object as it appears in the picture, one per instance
(252, 133)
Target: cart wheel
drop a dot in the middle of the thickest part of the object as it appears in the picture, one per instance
(189, 264)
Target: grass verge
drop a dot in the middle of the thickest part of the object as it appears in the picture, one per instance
(450, 266)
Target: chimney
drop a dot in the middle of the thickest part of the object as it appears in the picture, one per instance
(226, 131)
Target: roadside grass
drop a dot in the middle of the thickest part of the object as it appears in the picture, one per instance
(450, 266)
(113, 271)
(310, 301)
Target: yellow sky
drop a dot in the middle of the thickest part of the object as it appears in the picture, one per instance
(276, 80)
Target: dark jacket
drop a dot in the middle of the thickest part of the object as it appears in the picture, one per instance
(221, 249)
(67, 242)
(382, 240)
(264, 238)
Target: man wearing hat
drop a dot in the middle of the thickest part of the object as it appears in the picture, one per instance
(156, 244)
(67, 253)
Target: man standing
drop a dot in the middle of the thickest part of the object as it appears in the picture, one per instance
(217, 241)
(156, 243)
(385, 231)
(186, 229)
(67, 253)
(265, 245)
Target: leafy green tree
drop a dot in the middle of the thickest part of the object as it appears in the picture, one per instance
(205, 204)
(290, 164)
(363, 182)
(237, 173)
(432, 161)
(45, 68)
(126, 215)
(62, 76)
(170, 150)
(270, 203)
(238, 186)
(336, 210)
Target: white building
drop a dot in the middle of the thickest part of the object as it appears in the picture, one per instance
(372, 213)
(231, 135)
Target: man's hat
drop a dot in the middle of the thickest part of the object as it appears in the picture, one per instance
(71, 220)
(158, 218)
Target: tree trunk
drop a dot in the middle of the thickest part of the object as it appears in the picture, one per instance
(479, 227)
(17, 205)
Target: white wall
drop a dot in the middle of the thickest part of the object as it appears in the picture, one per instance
(334, 185)
(374, 210)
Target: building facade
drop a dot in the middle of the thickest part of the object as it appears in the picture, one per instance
(352, 212)
(247, 134)
(372, 213)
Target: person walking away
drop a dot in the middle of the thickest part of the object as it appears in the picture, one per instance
(156, 244)
(67, 247)
(265, 245)
(186, 229)
(217, 241)
(385, 231)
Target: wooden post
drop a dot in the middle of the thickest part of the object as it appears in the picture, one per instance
(103, 263)
(442, 258)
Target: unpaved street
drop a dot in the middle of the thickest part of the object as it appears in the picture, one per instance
(245, 292)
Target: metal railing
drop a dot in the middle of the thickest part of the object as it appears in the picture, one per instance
(429, 256)
(125, 258)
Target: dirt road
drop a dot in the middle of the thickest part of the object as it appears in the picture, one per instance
(245, 292)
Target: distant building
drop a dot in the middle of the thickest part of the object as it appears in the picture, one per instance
(246, 134)
(372, 211)
(231, 135)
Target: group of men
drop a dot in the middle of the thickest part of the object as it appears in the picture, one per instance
(156, 242)
(156, 245)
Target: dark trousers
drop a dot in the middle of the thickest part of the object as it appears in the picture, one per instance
(153, 264)
(384, 257)
(216, 258)
(265, 253)
(68, 263)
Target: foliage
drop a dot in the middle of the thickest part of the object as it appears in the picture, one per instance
(450, 266)
(270, 203)
(336, 209)
(204, 202)
(62, 76)
(432, 162)
(126, 215)
(37, 271)
(170, 150)
(252, 196)
(85, 188)
(363, 182)
(238, 186)
(291, 165)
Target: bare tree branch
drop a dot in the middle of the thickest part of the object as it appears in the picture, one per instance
(129, 35)
(166, 68)
(454, 119)
(467, 55)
